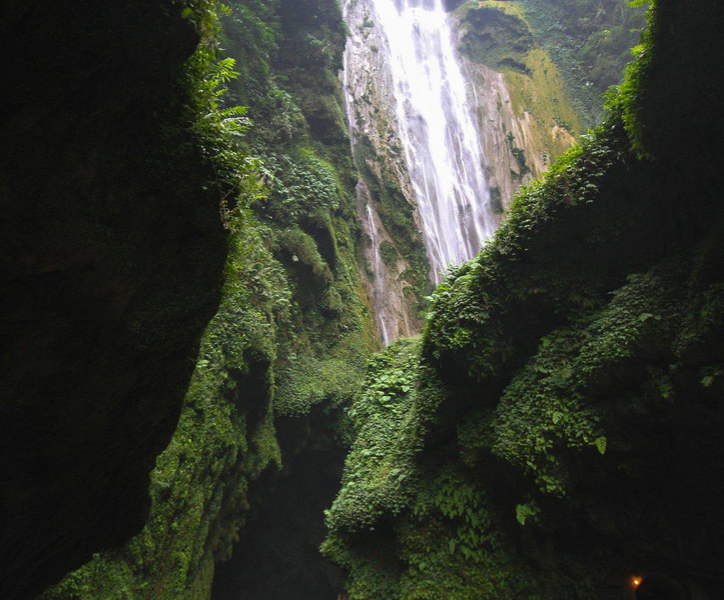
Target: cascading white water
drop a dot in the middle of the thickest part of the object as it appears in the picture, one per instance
(440, 138)
(378, 289)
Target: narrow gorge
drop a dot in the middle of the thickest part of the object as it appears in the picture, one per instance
(362, 300)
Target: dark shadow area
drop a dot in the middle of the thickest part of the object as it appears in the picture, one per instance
(277, 556)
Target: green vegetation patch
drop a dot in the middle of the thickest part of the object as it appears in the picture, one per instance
(495, 38)
(590, 41)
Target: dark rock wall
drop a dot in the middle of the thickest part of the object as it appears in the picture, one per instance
(278, 551)
(111, 252)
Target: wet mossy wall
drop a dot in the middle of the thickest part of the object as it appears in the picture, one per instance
(590, 41)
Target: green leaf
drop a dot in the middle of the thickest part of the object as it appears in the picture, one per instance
(707, 381)
(601, 444)
(521, 512)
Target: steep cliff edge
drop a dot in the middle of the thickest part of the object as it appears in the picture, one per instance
(557, 432)
(112, 249)
(285, 352)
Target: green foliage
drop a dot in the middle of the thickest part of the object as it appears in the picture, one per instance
(291, 310)
(388, 426)
(495, 38)
(525, 512)
(388, 253)
(476, 294)
(299, 187)
(446, 544)
(303, 249)
(590, 41)
(225, 439)
(309, 381)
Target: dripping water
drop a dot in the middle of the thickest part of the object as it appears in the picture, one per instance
(378, 290)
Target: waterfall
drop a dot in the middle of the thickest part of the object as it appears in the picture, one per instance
(438, 132)
(378, 289)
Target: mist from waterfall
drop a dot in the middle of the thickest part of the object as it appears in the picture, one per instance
(439, 134)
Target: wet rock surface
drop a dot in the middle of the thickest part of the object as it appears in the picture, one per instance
(111, 258)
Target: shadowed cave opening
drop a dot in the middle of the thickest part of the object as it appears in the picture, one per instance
(277, 555)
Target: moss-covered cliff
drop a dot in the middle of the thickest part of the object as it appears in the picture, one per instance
(112, 251)
(590, 42)
(557, 431)
(287, 348)
(527, 113)
(397, 269)
(541, 69)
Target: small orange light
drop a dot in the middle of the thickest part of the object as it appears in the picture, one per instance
(636, 581)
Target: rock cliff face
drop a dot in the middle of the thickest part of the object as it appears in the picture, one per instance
(112, 250)
(284, 354)
(523, 107)
(397, 270)
(523, 112)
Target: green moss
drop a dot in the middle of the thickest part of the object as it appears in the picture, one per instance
(308, 381)
(398, 215)
(496, 38)
(388, 253)
(224, 439)
(498, 34)
(590, 41)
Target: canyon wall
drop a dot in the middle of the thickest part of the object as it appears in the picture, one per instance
(285, 352)
(555, 432)
(524, 115)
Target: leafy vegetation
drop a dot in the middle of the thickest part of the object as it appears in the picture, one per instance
(558, 429)
(590, 41)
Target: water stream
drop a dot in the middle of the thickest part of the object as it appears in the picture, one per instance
(378, 288)
(439, 135)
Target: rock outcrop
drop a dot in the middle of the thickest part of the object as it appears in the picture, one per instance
(523, 107)
(386, 203)
(112, 249)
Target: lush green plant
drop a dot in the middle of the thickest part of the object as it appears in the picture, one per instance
(591, 42)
